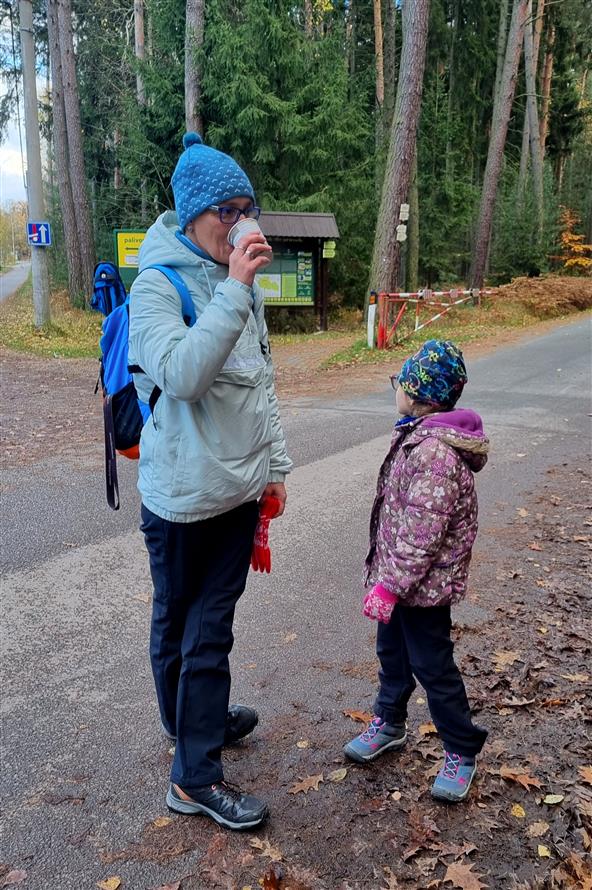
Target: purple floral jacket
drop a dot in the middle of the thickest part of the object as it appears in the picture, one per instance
(424, 519)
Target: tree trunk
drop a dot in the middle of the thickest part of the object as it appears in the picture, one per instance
(308, 26)
(526, 140)
(379, 95)
(497, 141)
(546, 89)
(75, 148)
(62, 161)
(194, 37)
(501, 50)
(454, 29)
(387, 255)
(413, 231)
(530, 67)
(390, 65)
(139, 48)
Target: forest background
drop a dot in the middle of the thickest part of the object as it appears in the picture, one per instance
(302, 93)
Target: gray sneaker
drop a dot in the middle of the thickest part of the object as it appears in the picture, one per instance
(379, 737)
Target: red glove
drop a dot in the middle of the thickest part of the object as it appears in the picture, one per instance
(269, 508)
(379, 603)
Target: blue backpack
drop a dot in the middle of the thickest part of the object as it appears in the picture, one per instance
(125, 414)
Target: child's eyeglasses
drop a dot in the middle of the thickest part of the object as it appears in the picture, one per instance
(230, 215)
(394, 378)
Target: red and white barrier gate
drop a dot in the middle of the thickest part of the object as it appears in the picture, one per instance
(393, 310)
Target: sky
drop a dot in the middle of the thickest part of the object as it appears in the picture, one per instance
(12, 187)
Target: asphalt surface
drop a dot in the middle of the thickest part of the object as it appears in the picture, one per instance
(84, 764)
(12, 280)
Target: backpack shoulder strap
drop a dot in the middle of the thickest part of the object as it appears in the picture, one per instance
(187, 307)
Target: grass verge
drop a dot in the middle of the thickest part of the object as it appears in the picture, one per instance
(72, 333)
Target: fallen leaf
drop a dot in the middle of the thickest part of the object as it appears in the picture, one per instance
(576, 678)
(109, 883)
(427, 729)
(338, 775)
(553, 799)
(161, 821)
(16, 876)
(307, 784)
(289, 638)
(521, 454)
(396, 795)
(520, 777)
(390, 878)
(266, 849)
(518, 811)
(537, 829)
(521, 511)
(535, 546)
(303, 743)
(544, 852)
(463, 876)
(359, 716)
(581, 539)
(586, 774)
(505, 659)
(271, 879)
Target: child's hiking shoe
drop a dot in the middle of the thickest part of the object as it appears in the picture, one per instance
(454, 779)
(379, 737)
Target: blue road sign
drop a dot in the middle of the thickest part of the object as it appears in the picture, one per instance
(39, 234)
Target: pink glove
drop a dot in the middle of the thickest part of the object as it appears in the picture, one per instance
(379, 604)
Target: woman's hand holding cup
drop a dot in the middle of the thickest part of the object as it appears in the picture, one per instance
(251, 251)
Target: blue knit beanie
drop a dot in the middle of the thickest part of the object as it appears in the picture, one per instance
(435, 375)
(205, 176)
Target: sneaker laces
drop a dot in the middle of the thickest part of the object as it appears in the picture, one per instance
(451, 765)
(374, 727)
(232, 791)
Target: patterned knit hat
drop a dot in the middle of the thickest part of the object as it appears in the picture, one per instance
(205, 176)
(435, 375)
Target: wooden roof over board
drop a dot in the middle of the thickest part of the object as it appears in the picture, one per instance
(276, 224)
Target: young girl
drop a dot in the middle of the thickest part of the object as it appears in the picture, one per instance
(422, 530)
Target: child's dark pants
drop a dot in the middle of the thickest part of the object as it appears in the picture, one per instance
(199, 570)
(416, 644)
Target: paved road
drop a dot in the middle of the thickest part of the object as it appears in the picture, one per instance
(84, 765)
(11, 281)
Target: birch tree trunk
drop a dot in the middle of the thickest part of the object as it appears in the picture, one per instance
(386, 259)
(62, 162)
(75, 147)
(194, 38)
(379, 94)
(499, 130)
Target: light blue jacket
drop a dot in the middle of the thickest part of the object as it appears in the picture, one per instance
(215, 439)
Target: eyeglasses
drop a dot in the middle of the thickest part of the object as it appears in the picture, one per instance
(230, 215)
(394, 378)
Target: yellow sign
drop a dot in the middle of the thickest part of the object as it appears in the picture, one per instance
(128, 245)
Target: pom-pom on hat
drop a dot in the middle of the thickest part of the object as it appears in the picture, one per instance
(435, 375)
(205, 176)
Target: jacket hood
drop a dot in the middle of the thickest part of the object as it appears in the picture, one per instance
(462, 429)
(163, 247)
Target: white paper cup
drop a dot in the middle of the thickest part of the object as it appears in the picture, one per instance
(243, 227)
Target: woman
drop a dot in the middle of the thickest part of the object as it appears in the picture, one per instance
(211, 448)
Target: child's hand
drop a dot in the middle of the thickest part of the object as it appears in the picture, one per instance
(379, 604)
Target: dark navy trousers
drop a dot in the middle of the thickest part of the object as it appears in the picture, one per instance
(199, 570)
(416, 644)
